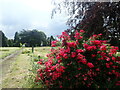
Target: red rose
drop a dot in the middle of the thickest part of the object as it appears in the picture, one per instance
(82, 31)
(107, 65)
(90, 65)
(39, 62)
(79, 50)
(73, 54)
(103, 47)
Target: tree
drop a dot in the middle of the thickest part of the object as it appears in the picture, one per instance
(94, 17)
(16, 40)
(0, 38)
(43, 38)
(4, 39)
(32, 37)
(49, 40)
(10, 42)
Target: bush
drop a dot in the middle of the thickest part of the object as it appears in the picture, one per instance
(80, 64)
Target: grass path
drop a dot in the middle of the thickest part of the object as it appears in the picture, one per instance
(15, 76)
(6, 51)
(15, 70)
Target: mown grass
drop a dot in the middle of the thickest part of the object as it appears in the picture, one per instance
(22, 71)
(6, 51)
(39, 53)
(18, 73)
(42, 51)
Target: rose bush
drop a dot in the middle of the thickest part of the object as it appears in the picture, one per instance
(80, 63)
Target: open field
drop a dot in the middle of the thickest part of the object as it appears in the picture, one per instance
(16, 70)
(38, 51)
(6, 51)
(42, 51)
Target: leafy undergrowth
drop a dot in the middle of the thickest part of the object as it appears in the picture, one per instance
(118, 54)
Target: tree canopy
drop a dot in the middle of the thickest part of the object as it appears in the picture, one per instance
(49, 40)
(4, 39)
(16, 40)
(28, 37)
(32, 37)
(10, 42)
(93, 17)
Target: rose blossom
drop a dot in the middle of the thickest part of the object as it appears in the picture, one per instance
(90, 65)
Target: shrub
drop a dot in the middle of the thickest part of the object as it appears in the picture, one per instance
(77, 64)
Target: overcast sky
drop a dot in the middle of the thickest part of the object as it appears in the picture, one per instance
(16, 15)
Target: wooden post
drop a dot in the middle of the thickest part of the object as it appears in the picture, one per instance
(32, 49)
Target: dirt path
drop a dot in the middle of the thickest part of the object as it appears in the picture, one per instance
(11, 55)
(15, 70)
(6, 63)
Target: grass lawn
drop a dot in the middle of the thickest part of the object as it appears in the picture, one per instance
(38, 51)
(5, 51)
(42, 51)
(16, 76)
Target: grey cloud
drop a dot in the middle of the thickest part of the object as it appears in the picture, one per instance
(17, 16)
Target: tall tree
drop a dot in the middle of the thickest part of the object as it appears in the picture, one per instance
(10, 42)
(32, 37)
(94, 17)
(0, 39)
(43, 38)
(4, 39)
(16, 40)
(49, 40)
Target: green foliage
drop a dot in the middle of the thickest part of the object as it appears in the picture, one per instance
(58, 43)
(118, 54)
(49, 40)
(32, 76)
(27, 37)
(94, 17)
(4, 39)
(35, 57)
(10, 42)
(88, 63)
(16, 40)
(32, 38)
(21, 44)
